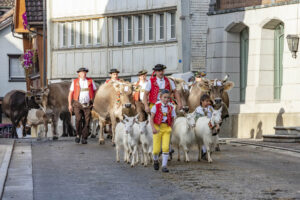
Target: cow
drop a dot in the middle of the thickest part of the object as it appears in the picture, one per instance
(183, 90)
(218, 94)
(110, 101)
(37, 117)
(15, 106)
(55, 98)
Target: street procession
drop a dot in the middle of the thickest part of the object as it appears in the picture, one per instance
(149, 99)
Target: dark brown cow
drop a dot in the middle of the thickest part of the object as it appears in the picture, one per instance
(111, 101)
(15, 106)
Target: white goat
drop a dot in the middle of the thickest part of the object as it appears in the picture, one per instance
(145, 131)
(123, 130)
(183, 135)
(207, 136)
(38, 117)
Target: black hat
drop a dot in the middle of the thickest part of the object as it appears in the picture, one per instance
(82, 69)
(114, 71)
(159, 67)
(200, 74)
(142, 72)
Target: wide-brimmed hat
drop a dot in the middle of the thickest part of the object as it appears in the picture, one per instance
(200, 74)
(114, 71)
(159, 67)
(142, 72)
(82, 69)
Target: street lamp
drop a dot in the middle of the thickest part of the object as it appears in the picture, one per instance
(293, 42)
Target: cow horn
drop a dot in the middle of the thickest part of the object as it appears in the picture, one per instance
(225, 78)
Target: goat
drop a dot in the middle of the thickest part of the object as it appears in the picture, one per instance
(206, 135)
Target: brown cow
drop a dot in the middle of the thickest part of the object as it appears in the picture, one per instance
(54, 98)
(111, 100)
(218, 94)
(183, 90)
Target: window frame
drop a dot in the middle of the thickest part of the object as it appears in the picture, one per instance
(10, 78)
(161, 27)
(79, 34)
(140, 29)
(72, 28)
(174, 25)
(150, 40)
(131, 30)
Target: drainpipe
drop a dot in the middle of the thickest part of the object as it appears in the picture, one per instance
(44, 44)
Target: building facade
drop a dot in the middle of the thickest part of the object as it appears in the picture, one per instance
(248, 40)
(12, 75)
(128, 35)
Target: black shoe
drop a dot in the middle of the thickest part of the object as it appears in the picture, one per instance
(156, 165)
(55, 138)
(83, 141)
(164, 169)
(203, 156)
(171, 154)
(77, 140)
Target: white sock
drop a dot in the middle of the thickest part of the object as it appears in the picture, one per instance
(203, 149)
(165, 157)
(155, 157)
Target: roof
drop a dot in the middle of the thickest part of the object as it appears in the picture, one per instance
(34, 10)
(6, 3)
(6, 19)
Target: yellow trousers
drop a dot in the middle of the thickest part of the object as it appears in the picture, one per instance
(161, 140)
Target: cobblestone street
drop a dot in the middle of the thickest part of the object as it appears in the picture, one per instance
(65, 170)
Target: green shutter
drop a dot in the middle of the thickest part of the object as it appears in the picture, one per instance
(244, 48)
(278, 55)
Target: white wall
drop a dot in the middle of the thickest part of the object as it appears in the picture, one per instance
(8, 45)
(74, 8)
(223, 57)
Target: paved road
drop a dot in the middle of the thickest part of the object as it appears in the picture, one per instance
(64, 170)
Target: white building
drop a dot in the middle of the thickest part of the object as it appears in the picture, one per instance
(249, 43)
(12, 75)
(128, 35)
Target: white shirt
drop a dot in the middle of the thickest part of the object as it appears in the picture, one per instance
(164, 109)
(142, 88)
(161, 85)
(204, 111)
(84, 96)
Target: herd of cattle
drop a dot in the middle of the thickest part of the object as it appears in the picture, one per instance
(114, 103)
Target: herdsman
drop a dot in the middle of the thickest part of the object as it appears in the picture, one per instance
(114, 75)
(156, 84)
(138, 94)
(81, 96)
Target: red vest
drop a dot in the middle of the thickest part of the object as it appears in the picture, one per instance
(107, 81)
(159, 115)
(155, 89)
(77, 89)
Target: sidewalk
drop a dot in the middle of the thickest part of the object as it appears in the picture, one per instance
(293, 147)
(6, 149)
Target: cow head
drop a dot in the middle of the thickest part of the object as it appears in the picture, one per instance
(40, 96)
(124, 89)
(216, 88)
(129, 122)
(183, 91)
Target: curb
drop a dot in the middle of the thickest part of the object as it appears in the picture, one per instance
(4, 167)
(266, 146)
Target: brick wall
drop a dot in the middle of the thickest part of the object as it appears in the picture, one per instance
(229, 4)
(198, 27)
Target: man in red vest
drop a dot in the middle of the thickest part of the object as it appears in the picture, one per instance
(114, 75)
(156, 84)
(81, 96)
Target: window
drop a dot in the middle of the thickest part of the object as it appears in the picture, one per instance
(129, 29)
(140, 28)
(16, 71)
(173, 28)
(98, 31)
(244, 48)
(161, 26)
(119, 30)
(79, 33)
(88, 28)
(150, 27)
(278, 56)
(72, 34)
(63, 35)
